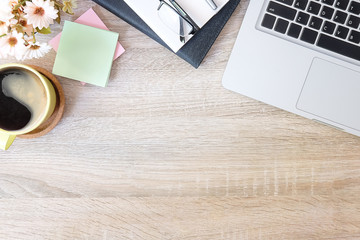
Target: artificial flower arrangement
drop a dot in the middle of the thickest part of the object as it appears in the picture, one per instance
(21, 20)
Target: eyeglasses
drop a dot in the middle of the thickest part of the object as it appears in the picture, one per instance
(176, 19)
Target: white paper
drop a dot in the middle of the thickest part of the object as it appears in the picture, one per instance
(198, 10)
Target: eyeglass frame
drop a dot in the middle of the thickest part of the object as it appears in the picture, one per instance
(181, 12)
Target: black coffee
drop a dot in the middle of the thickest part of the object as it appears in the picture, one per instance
(22, 98)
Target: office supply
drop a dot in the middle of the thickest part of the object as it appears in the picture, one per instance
(308, 54)
(190, 52)
(89, 18)
(85, 53)
(147, 10)
(212, 4)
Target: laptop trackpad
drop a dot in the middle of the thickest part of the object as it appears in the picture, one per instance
(332, 92)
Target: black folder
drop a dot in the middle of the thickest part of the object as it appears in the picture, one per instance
(195, 50)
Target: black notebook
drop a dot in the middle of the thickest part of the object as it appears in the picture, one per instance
(195, 50)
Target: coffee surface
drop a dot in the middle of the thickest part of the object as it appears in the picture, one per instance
(22, 99)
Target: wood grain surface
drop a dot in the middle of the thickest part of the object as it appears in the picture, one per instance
(165, 152)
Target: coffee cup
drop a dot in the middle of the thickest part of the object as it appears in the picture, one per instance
(27, 99)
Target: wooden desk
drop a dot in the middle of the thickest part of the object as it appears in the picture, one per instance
(165, 152)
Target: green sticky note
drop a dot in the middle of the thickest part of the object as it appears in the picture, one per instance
(85, 53)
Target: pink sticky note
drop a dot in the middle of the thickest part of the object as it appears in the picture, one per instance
(89, 18)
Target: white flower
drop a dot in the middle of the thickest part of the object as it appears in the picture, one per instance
(12, 44)
(36, 50)
(3, 54)
(40, 13)
(21, 21)
(5, 11)
(3, 28)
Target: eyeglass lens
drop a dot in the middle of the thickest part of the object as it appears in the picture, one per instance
(174, 21)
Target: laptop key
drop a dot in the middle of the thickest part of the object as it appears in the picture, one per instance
(301, 4)
(294, 30)
(287, 2)
(268, 21)
(309, 35)
(328, 27)
(281, 10)
(342, 4)
(315, 22)
(281, 25)
(339, 46)
(314, 8)
(340, 17)
(302, 18)
(342, 32)
(328, 2)
(353, 22)
(355, 8)
(327, 12)
(354, 37)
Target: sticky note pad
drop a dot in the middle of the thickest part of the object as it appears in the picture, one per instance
(85, 53)
(89, 18)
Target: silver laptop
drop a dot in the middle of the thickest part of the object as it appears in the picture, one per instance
(302, 56)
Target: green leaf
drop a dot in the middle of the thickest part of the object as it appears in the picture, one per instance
(44, 30)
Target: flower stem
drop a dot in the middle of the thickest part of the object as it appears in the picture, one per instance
(21, 3)
(33, 35)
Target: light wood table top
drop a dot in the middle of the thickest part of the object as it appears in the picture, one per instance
(165, 152)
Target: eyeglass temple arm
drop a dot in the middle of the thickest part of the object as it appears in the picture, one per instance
(184, 15)
(212, 4)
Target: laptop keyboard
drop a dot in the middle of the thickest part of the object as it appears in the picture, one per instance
(332, 25)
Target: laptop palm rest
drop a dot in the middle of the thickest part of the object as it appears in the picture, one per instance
(332, 92)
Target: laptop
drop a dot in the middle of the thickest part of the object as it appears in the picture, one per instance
(302, 56)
